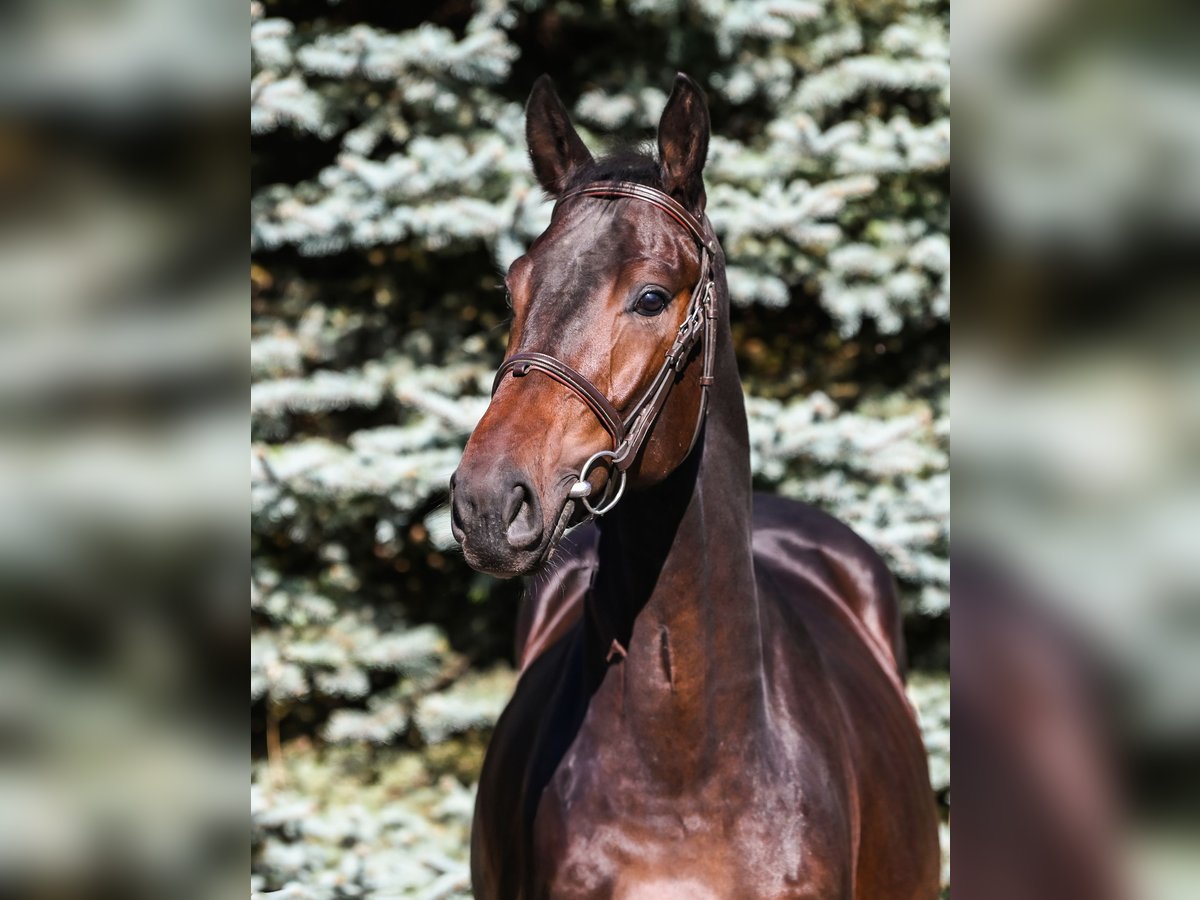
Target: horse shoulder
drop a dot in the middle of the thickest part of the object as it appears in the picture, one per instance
(514, 775)
(854, 721)
(834, 653)
(801, 544)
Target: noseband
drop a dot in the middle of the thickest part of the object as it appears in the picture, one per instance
(629, 432)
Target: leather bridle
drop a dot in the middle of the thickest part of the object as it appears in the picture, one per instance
(630, 431)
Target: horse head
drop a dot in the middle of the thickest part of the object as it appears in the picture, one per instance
(612, 305)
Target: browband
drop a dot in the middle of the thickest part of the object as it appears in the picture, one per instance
(629, 433)
(661, 199)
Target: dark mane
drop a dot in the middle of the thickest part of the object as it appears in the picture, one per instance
(624, 164)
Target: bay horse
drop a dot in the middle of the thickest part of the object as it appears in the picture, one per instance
(711, 700)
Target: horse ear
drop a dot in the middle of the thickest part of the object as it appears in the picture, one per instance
(555, 148)
(683, 143)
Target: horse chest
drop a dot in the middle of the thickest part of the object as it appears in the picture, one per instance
(606, 829)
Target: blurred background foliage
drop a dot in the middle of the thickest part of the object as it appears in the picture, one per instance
(390, 187)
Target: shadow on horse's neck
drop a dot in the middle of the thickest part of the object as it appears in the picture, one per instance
(675, 585)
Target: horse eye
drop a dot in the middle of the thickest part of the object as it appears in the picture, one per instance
(651, 303)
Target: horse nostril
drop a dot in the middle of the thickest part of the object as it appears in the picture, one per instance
(523, 517)
(513, 503)
(457, 502)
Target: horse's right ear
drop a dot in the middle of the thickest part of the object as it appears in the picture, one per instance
(555, 148)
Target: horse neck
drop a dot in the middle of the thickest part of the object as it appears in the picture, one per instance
(675, 590)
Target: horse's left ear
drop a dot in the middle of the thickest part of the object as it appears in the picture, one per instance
(683, 143)
(555, 148)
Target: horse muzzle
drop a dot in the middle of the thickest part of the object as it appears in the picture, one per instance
(502, 523)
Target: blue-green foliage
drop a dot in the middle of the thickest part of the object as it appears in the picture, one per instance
(390, 181)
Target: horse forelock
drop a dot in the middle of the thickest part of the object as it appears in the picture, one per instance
(633, 163)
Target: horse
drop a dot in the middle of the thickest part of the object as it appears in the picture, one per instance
(711, 698)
